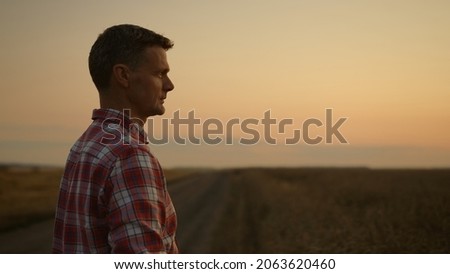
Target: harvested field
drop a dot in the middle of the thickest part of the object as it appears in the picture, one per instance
(265, 210)
(308, 210)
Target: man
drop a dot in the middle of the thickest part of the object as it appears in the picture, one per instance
(113, 196)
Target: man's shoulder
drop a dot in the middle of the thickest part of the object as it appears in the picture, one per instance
(104, 143)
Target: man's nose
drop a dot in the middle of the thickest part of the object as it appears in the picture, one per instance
(168, 85)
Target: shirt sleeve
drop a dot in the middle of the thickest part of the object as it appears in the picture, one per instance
(136, 207)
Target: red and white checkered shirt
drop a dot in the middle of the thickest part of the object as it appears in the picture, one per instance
(113, 195)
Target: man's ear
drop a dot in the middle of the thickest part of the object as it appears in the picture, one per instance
(121, 74)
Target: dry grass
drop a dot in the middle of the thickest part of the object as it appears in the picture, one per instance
(336, 211)
(27, 195)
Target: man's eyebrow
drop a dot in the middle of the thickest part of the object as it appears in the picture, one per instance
(161, 70)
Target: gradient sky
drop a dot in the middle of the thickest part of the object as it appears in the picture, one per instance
(383, 64)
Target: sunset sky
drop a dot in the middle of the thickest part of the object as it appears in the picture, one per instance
(384, 65)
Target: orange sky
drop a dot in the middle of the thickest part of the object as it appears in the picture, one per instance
(382, 64)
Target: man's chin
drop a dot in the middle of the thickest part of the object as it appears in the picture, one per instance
(162, 110)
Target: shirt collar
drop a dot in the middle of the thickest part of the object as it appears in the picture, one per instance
(122, 118)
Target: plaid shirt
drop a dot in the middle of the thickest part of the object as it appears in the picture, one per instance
(113, 195)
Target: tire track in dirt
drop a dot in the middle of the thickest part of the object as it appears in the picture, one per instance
(33, 239)
(200, 202)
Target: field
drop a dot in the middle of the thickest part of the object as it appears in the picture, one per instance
(336, 211)
(279, 210)
(27, 195)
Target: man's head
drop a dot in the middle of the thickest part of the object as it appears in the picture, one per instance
(128, 65)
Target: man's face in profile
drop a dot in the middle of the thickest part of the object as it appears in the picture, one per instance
(149, 83)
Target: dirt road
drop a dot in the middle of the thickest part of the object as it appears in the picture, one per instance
(199, 202)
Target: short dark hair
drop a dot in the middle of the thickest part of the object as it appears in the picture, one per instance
(121, 44)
